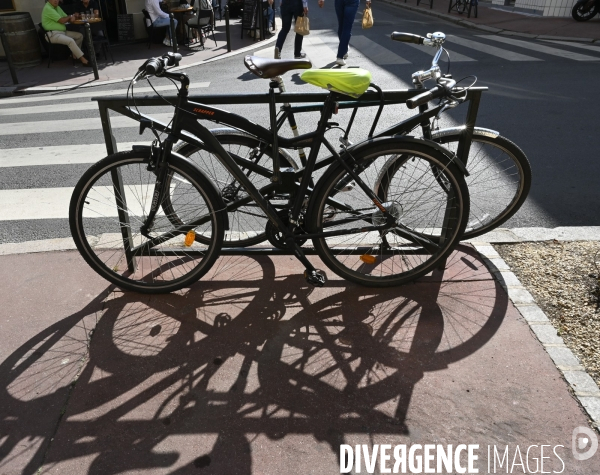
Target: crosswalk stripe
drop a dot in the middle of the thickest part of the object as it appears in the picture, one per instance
(540, 48)
(35, 203)
(38, 127)
(58, 154)
(454, 56)
(79, 95)
(489, 49)
(319, 53)
(575, 45)
(50, 108)
(53, 203)
(375, 52)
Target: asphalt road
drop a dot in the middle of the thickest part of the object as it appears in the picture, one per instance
(545, 104)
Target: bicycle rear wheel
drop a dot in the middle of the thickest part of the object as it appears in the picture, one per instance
(499, 179)
(247, 223)
(109, 206)
(427, 196)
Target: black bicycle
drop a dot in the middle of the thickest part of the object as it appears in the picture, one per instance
(499, 175)
(148, 220)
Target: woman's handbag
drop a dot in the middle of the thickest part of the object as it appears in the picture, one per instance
(302, 26)
(367, 21)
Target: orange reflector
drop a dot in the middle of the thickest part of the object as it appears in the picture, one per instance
(190, 237)
(368, 259)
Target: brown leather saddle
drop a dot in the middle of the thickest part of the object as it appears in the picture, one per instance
(269, 68)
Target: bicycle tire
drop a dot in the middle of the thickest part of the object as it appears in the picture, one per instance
(424, 235)
(247, 223)
(495, 164)
(584, 10)
(97, 227)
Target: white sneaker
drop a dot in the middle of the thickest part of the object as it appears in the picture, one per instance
(277, 54)
(346, 56)
(340, 62)
(167, 42)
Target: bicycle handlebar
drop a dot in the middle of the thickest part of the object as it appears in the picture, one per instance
(442, 89)
(157, 66)
(407, 38)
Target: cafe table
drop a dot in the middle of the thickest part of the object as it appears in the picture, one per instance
(179, 12)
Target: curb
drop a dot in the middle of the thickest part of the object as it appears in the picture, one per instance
(490, 29)
(582, 386)
(41, 89)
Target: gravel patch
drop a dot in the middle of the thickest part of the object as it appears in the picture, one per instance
(564, 279)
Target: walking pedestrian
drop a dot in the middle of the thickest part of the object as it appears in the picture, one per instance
(346, 13)
(290, 10)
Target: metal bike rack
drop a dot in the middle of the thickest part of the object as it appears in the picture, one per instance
(122, 105)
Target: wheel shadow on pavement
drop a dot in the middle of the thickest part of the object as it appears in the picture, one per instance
(232, 374)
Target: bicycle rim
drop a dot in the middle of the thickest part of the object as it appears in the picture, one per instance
(247, 222)
(499, 181)
(104, 221)
(430, 210)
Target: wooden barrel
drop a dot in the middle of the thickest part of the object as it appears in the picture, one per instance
(22, 39)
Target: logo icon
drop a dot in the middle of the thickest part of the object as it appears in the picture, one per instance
(584, 443)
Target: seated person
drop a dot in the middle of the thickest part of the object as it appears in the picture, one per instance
(270, 15)
(87, 6)
(160, 18)
(53, 21)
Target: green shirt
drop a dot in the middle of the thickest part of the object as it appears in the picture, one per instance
(50, 17)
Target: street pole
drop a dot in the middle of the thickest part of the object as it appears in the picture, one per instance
(91, 52)
(11, 66)
(227, 32)
(261, 20)
(173, 34)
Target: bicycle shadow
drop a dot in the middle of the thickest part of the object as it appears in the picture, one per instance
(199, 379)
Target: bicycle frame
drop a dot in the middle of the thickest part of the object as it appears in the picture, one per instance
(186, 127)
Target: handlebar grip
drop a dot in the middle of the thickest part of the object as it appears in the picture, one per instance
(407, 38)
(425, 97)
(173, 59)
(155, 66)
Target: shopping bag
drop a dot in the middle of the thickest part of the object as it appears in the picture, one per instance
(302, 26)
(367, 21)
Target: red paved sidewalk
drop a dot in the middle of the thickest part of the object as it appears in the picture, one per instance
(252, 372)
(496, 20)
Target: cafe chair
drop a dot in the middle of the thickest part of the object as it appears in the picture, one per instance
(55, 51)
(203, 23)
(153, 31)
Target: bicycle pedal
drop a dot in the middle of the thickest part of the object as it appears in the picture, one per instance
(316, 278)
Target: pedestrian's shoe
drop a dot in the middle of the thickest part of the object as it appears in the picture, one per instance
(346, 56)
(167, 42)
(302, 55)
(340, 62)
(277, 54)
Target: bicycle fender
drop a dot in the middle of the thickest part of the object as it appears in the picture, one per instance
(480, 131)
(440, 148)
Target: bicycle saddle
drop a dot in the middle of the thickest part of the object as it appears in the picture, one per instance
(269, 68)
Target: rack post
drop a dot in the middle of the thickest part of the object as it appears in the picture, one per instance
(91, 52)
(227, 31)
(173, 34)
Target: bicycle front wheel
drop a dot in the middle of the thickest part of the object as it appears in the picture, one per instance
(427, 197)
(110, 205)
